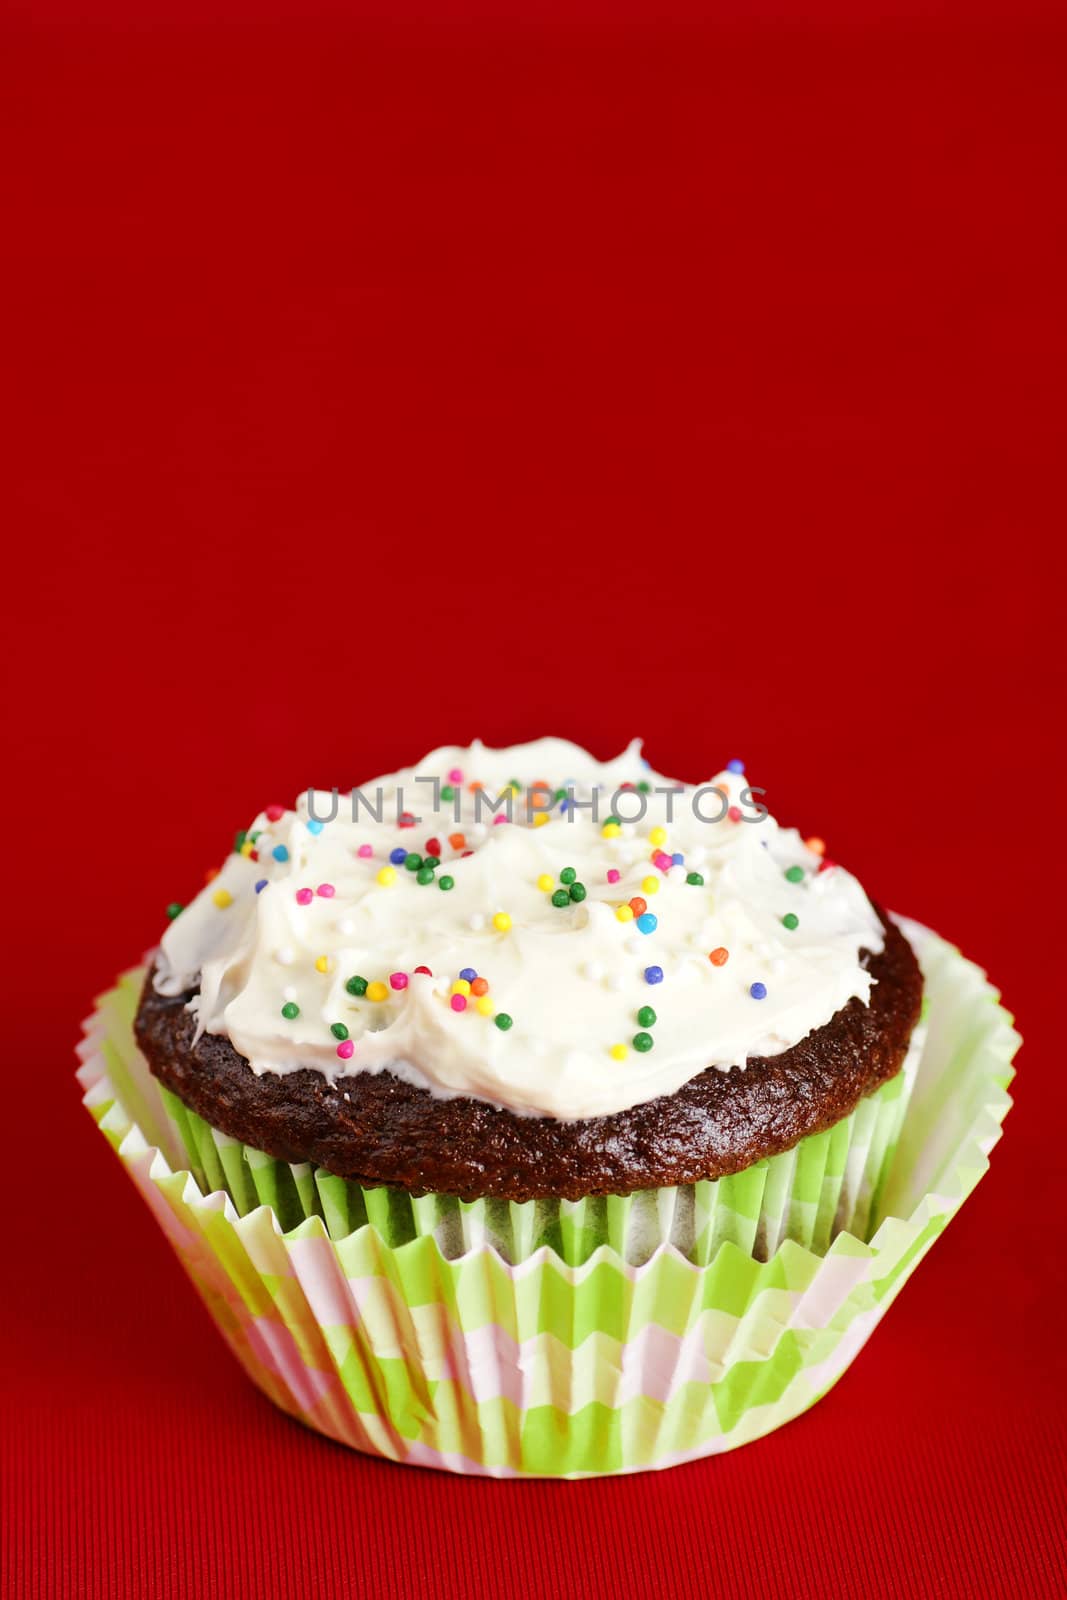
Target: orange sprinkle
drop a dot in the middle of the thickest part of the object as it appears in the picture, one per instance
(638, 906)
(816, 845)
(719, 957)
(458, 841)
(480, 986)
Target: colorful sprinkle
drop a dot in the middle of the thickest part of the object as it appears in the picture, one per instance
(610, 830)
(174, 910)
(304, 897)
(323, 964)
(734, 813)
(468, 974)
(561, 898)
(658, 837)
(377, 991)
(483, 1005)
(398, 856)
(445, 882)
(315, 826)
(356, 985)
(790, 920)
(338, 1030)
(648, 923)
(398, 980)
(433, 848)
(458, 1002)
(424, 875)
(758, 991)
(501, 922)
(346, 1049)
(280, 853)
(274, 813)
(642, 1042)
(618, 1052)
(455, 776)
(795, 874)
(638, 906)
(424, 972)
(816, 846)
(458, 841)
(503, 1021)
(222, 898)
(646, 1017)
(405, 820)
(624, 913)
(735, 765)
(412, 862)
(567, 876)
(650, 886)
(326, 891)
(577, 892)
(546, 883)
(462, 985)
(479, 986)
(719, 956)
(261, 884)
(613, 874)
(387, 876)
(290, 1010)
(695, 879)
(653, 974)
(365, 851)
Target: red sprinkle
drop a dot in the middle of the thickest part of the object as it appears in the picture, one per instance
(274, 813)
(734, 814)
(433, 847)
(406, 820)
(425, 971)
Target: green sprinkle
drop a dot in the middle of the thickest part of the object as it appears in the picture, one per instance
(646, 1017)
(503, 1021)
(425, 874)
(695, 879)
(290, 1010)
(413, 862)
(795, 874)
(254, 836)
(446, 882)
(790, 920)
(448, 793)
(568, 875)
(642, 1042)
(577, 891)
(356, 986)
(561, 898)
(612, 822)
(338, 1030)
(431, 861)
(175, 909)
(239, 839)
(560, 794)
(644, 786)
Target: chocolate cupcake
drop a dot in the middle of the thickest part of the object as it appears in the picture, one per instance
(534, 1014)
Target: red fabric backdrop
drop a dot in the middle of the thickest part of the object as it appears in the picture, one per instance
(374, 388)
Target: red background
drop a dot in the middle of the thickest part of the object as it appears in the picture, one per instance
(376, 387)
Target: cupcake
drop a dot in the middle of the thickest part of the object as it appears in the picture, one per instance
(555, 1110)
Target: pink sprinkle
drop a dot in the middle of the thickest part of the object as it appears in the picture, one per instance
(613, 874)
(455, 776)
(304, 897)
(398, 980)
(326, 890)
(274, 813)
(425, 971)
(365, 850)
(345, 1049)
(662, 860)
(498, 820)
(734, 814)
(458, 1002)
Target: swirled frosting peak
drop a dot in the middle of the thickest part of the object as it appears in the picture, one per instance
(553, 934)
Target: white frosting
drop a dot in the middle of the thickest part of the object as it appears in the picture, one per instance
(572, 979)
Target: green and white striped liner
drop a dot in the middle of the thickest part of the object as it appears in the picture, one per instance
(556, 1339)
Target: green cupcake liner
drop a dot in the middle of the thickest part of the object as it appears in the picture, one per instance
(608, 1335)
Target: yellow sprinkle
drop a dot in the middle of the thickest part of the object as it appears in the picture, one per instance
(658, 836)
(377, 991)
(222, 898)
(461, 986)
(387, 876)
(546, 882)
(247, 848)
(323, 964)
(650, 886)
(624, 913)
(619, 1052)
(541, 818)
(501, 922)
(610, 830)
(484, 1006)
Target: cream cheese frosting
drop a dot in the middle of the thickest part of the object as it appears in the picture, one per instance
(595, 942)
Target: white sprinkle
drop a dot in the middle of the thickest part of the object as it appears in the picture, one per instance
(594, 971)
(289, 992)
(284, 956)
(616, 982)
(477, 922)
(346, 927)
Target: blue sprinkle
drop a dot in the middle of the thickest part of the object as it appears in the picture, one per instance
(468, 974)
(758, 991)
(398, 856)
(678, 859)
(653, 974)
(261, 885)
(314, 826)
(647, 922)
(280, 853)
(735, 765)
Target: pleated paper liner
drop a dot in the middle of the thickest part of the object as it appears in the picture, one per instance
(562, 1340)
